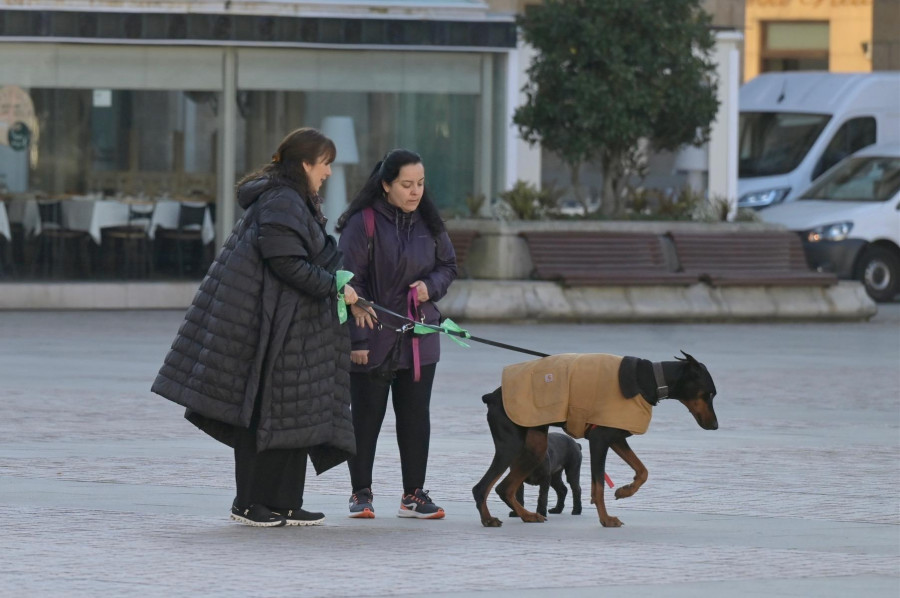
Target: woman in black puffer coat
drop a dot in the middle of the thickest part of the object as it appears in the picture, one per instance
(261, 360)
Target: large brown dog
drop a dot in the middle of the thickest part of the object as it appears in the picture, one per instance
(521, 449)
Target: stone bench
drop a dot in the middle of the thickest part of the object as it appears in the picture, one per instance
(590, 258)
(759, 258)
(462, 242)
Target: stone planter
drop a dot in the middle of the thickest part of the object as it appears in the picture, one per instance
(499, 253)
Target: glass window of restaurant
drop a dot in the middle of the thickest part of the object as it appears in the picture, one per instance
(107, 162)
(108, 169)
(443, 106)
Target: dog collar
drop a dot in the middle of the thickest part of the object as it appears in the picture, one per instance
(662, 389)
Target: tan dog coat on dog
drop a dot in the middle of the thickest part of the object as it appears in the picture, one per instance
(575, 389)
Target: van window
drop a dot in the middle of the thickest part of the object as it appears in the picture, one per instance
(776, 142)
(869, 178)
(853, 135)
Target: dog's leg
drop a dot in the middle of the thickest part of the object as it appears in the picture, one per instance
(508, 442)
(535, 451)
(573, 473)
(541, 475)
(599, 448)
(543, 495)
(561, 491)
(624, 451)
(520, 496)
(483, 489)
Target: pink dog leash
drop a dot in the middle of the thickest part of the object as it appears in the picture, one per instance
(412, 312)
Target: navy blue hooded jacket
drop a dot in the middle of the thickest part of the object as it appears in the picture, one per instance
(405, 251)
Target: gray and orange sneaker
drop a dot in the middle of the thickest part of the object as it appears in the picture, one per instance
(361, 505)
(419, 505)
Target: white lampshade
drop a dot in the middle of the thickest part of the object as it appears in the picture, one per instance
(340, 130)
(691, 158)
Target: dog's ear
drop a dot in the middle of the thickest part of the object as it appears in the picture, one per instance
(628, 382)
(688, 358)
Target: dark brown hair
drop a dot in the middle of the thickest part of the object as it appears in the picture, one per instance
(286, 168)
(387, 171)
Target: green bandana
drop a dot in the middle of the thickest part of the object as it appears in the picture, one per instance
(342, 277)
(448, 326)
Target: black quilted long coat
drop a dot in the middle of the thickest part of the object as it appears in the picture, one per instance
(250, 336)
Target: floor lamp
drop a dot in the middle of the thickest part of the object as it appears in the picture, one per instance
(340, 130)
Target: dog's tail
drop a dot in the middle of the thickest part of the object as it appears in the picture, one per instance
(493, 397)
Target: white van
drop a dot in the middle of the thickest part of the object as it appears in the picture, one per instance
(795, 126)
(849, 220)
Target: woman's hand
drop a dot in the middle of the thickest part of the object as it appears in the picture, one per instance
(421, 290)
(350, 296)
(360, 357)
(364, 318)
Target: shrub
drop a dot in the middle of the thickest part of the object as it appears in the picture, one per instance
(529, 203)
(474, 203)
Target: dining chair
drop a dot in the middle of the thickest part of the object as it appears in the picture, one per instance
(60, 252)
(127, 248)
(186, 241)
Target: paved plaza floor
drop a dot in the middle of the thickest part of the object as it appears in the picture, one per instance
(105, 490)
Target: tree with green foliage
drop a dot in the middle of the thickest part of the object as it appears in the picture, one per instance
(610, 73)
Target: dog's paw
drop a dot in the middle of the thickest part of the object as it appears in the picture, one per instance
(611, 522)
(625, 491)
(512, 514)
(530, 517)
(576, 510)
(492, 522)
(555, 510)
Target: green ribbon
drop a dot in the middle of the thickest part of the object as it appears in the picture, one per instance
(342, 277)
(447, 326)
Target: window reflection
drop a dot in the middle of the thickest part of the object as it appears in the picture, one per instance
(129, 176)
(93, 182)
(440, 127)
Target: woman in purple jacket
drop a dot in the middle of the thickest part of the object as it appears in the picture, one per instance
(402, 260)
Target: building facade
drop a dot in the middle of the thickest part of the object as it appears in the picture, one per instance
(136, 103)
(829, 35)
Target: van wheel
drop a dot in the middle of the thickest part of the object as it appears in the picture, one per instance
(879, 271)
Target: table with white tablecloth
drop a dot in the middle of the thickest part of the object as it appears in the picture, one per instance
(166, 212)
(25, 212)
(91, 216)
(4, 222)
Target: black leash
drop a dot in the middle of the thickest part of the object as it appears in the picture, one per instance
(464, 334)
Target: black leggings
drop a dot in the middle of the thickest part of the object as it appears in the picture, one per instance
(272, 478)
(368, 403)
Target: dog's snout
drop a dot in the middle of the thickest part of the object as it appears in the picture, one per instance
(712, 422)
(703, 414)
(707, 421)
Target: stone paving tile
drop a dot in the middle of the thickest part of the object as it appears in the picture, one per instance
(818, 492)
(142, 553)
(802, 481)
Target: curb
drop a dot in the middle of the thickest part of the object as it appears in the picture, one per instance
(504, 300)
(512, 300)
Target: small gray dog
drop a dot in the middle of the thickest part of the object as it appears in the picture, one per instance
(563, 454)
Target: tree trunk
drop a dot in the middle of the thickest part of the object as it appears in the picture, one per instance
(575, 170)
(609, 203)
